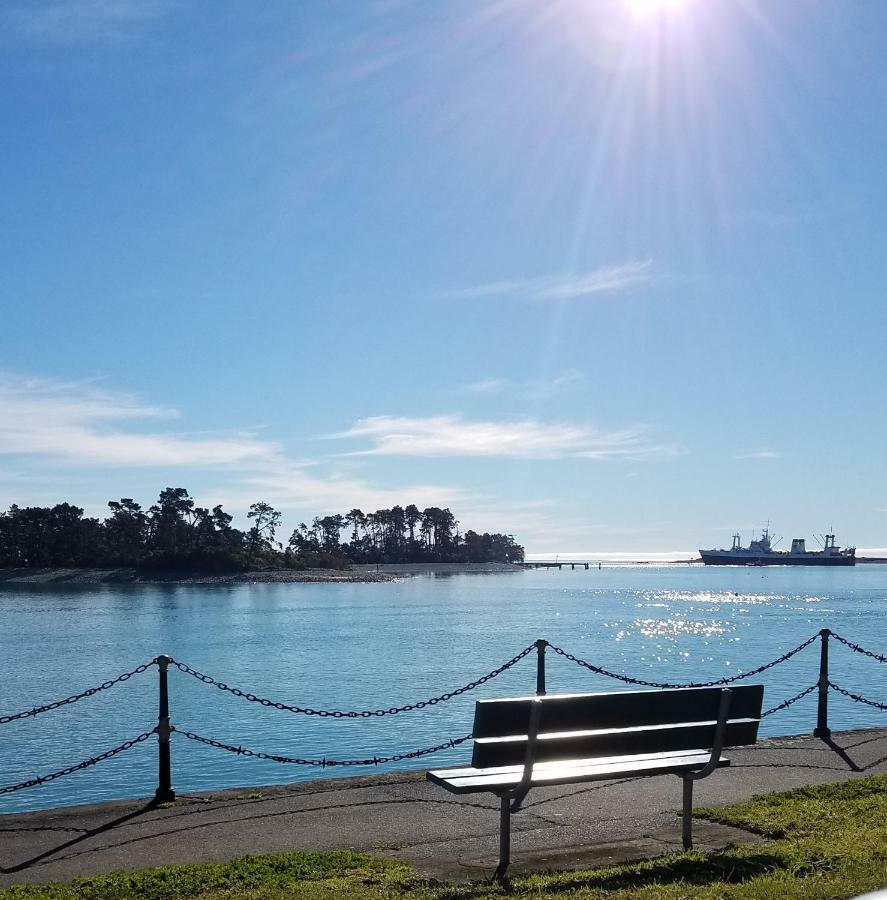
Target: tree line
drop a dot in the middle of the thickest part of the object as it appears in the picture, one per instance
(175, 533)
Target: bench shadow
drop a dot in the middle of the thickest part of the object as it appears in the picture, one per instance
(698, 872)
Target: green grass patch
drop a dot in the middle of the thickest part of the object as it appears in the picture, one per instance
(827, 842)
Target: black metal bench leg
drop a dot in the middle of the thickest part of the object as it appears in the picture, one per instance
(687, 817)
(504, 837)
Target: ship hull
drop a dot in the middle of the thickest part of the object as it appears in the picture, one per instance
(729, 558)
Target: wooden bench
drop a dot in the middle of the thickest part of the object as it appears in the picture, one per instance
(528, 742)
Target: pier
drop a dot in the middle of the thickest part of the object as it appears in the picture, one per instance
(559, 565)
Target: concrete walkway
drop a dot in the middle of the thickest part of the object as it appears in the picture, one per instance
(404, 817)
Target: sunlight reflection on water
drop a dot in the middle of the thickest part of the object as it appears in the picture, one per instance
(671, 628)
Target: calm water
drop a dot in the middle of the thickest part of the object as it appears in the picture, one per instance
(378, 645)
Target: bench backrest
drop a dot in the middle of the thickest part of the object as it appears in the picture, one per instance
(580, 726)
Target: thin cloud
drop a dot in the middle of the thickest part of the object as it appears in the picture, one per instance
(487, 386)
(545, 388)
(74, 21)
(607, 279)
(531, 389)
(292, 488)
(74, 422)
(759, 454)
(452, 435)
(54, 433)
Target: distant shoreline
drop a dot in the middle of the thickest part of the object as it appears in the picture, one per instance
(74, 576)
(357, 574)
(370, 573)
(441, 568)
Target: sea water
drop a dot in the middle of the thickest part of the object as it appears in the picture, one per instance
(377, 646)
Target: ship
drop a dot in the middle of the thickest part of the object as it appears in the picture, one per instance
(761, 553)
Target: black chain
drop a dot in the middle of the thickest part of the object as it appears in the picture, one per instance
(690, 684)
(75, 697)
(126, 745)
(325, 763)
(787, 703)
(878, 656)
(857, 698)
(352, 714)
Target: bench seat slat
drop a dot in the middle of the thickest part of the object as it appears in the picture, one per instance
(468, 771)
(600, 769)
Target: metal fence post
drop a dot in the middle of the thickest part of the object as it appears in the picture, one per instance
(540, 666)
(822, 730)
(165, 792)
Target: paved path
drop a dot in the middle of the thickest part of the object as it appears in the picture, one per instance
(405, 817)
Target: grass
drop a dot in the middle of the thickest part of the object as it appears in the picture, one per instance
(826, 842)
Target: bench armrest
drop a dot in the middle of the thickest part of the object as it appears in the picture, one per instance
(718, 743)
(532, 735)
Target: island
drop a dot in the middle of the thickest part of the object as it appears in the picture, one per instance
(174, 540)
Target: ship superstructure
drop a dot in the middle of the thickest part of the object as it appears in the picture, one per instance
(761, 553)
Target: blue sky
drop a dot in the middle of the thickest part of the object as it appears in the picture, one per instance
(607, 274)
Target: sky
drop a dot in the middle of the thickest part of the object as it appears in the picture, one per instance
(607, 275)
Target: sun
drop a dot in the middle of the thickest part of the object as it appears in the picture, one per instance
(646, 8)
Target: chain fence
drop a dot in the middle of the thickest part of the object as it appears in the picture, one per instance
(353, 714)
(880, 657)
(89, 692)
(787, 703)
(857, 698)
(70, 770)
(326, 763)
(720, 682)
(164, 729)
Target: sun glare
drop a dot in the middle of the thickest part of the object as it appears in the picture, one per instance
(645, 8)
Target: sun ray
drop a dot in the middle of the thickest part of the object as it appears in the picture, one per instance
(642, 8)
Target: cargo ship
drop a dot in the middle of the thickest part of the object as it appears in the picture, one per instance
(761, 553)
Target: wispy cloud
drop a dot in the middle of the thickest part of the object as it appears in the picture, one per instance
(545, 388)
(607, 279)
(56, 433)
(758, 454)
(452, 435)
(487, 386)
(73, 21)
(531, 389)
(76, 422)
(296, 488)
